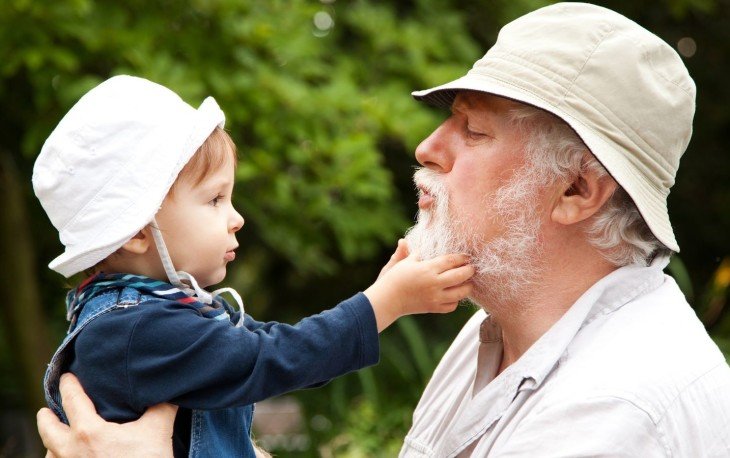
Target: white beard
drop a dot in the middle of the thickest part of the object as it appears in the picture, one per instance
(506, 266)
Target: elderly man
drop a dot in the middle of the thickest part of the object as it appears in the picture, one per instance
(553, 172)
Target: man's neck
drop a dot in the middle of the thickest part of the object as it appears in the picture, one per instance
(556, 288)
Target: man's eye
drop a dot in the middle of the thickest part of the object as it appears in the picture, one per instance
(474, 134)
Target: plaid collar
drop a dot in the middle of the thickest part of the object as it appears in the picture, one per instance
(100, 283)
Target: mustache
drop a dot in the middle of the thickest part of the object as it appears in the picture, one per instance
(429, 181)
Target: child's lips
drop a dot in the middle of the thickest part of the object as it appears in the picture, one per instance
(230, 255)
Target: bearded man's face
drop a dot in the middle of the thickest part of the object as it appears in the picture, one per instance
(478, 196)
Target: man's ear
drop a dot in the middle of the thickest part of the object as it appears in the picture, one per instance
(140, 243)
(582, 198)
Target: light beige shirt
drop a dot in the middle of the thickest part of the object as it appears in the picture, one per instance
(629, 370)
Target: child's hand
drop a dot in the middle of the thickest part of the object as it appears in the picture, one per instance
(407, 286)
(400, 253)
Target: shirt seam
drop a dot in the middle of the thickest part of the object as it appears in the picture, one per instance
(419, 446)
(350, 307)
(661, 437)
(130, 390)
(676, 398)
(361, 335)
(641, 289)
(599, 42)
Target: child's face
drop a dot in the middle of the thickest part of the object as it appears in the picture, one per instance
(199, 225)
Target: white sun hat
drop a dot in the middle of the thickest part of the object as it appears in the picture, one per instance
(104, 171)
(623, 90)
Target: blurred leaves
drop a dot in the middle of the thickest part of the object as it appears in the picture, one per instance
(308, 119)
(713, 309)
(680, 8)
(419, 351)
(678, 270)
(711, 306)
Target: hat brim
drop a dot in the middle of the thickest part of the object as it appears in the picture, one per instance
(651, 203)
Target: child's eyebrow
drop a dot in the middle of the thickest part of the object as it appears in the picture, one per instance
(206, 185)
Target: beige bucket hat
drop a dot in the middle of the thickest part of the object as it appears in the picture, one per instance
(623, 90)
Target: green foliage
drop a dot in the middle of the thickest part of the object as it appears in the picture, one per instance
(370, 432)
(308, 119)
(680, 8)
(310, 165)
(679, 271)
(419, 351)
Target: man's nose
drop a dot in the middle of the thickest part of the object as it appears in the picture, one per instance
(434, 152)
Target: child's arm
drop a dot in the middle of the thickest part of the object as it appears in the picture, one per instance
(166, 351)
(407, 285)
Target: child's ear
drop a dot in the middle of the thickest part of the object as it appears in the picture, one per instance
(140, 243)
(582, 198)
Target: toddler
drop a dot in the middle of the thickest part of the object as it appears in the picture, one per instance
(139, 185)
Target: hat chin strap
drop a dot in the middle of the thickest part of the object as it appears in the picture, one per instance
(177, 277)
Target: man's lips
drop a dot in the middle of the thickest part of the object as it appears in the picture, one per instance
(425, 199)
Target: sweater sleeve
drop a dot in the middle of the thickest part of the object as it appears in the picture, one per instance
(178, 356)
(253, 325)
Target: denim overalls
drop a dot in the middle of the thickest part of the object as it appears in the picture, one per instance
(213, 433)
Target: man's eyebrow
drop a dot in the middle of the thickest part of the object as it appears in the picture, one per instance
(461, 104)
(457, 109)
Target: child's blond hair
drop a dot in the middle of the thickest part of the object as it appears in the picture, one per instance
(215, 152)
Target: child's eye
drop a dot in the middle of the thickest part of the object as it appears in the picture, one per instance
(216, 200)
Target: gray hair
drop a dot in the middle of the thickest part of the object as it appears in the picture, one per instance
(556, 152)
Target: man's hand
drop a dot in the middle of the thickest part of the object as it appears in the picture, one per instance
(90, 436)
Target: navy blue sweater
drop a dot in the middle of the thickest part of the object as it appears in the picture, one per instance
(164, 351)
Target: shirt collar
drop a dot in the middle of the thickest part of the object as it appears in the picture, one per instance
(604, 297)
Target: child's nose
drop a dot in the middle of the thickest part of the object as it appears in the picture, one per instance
(237, 221)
